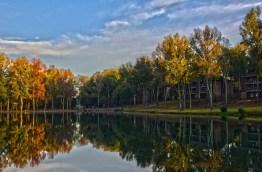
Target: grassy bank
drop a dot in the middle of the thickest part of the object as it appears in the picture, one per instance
(252, 110)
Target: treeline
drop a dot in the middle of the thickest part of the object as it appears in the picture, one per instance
(177, 61)
(30, 85)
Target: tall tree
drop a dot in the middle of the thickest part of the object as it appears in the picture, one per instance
(51, 85)
(238, 63)
(206, 44)
(110, 79)
(143, 76)
(176, 50)
(251, 32)
(37, 86)
(99, 84)
(3, 80)
(20, 81)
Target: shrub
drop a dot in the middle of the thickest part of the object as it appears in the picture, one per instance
(224, 116)
(242, 113)
(223, 109)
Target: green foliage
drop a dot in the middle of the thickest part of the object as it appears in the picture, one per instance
(251, 32)
(223, 109)
(242, 113)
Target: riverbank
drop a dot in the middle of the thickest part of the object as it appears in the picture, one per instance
(251, 110)
(40, 111)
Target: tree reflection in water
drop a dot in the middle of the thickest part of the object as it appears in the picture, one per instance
(167, 145)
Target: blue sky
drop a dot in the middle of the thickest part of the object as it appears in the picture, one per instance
(87, 36)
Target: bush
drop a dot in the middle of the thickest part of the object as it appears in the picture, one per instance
(223, 109)
(224, 116)
(242, 113)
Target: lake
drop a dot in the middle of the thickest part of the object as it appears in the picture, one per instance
(73, 142)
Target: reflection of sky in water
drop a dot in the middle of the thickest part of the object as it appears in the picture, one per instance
(84, 159)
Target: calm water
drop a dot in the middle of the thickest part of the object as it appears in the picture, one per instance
(121, 143)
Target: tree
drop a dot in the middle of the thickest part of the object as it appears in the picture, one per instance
(3, 80)
(110, 81)
(98, 80)
(238, 62)
(37, 86)
(20, 81)
(143, 76)
(66, 89)
(207, 47)
(51, 85)
(158, 75)
(251, 32)
(176, 50)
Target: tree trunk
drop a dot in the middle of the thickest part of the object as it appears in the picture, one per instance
(210, 92)
(239, 86)
(67, 104)
(199, 89)
(190, 96)
(166, 93)
(258, 92)
(98, 100)
(157, 95)
(226, 90)
(8, 106)
(179, 97)
(108, 99)
(33, 104)
(21, 111)
(1, 107)
(53, 106)
(184, 96)
(134, 99)
(45, 105)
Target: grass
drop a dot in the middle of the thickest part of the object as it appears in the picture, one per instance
(253, 110)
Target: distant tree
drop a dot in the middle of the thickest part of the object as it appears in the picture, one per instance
(158, 81)
(110, 80)
(99, 84)
(66, 89)
(143, 76)
(207, 46)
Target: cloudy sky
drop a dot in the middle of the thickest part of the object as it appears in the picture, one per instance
(87, 36)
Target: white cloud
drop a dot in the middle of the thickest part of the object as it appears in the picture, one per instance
(163, 3)
(116, 24)
(138, 18)
(210, 9)
(61, 47)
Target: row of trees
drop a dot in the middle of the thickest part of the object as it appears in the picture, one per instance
(177, 61)
(29, 84)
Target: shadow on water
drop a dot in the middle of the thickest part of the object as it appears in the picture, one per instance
(178, 144)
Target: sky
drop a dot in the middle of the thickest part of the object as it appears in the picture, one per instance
(87, 36)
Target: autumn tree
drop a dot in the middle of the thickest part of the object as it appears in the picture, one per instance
(206, 44)
(3, 80)
(37, 86)
(66, 88)
(20, 77)
(176, 50)
(51, 85)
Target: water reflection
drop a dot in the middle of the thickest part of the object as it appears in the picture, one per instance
(177, 144)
